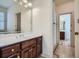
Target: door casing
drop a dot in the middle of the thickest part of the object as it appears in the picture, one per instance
(72, 27)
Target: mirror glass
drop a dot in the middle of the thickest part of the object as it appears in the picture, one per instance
(15, 16)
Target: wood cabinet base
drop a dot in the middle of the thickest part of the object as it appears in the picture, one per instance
(27, 49)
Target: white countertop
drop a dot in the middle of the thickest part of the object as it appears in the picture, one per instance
(7, 40)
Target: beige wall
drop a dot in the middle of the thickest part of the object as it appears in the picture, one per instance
(65, 8)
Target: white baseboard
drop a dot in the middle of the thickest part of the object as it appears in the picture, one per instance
(47, 56)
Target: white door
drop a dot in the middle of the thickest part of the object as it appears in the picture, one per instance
(72, 30)
(76, 9)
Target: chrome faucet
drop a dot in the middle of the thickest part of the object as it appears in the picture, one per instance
(19, 36)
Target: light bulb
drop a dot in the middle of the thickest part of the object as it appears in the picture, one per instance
(30, 4)
(25, 1)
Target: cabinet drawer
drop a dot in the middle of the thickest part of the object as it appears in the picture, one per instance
(10, 50)
(28, 43)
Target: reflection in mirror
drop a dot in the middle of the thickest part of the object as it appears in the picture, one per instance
(15, 16)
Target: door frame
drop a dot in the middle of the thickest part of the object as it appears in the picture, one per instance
(72, 38)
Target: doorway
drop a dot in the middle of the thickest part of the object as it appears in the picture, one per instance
(66, 30)
(65, 27)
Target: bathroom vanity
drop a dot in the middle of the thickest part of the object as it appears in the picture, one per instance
(22, 48)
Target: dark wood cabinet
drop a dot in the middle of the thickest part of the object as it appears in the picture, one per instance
(39, 46)
(15, 55)
(62, 35)
(10, 51)
(25, 53)
(30, 53)
(33, 52)
(31, 48)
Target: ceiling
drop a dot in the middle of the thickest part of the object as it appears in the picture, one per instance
(60, 2)
(6, 3)
(9, 3)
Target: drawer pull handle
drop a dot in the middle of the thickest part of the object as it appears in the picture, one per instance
(13, 50)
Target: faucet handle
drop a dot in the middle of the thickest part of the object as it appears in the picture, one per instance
(17, 37)
(21, 35)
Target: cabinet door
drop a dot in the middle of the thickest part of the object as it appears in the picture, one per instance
(33, 52)
(16, 55)
(25, 54)
(38, 50)
(10, 51)
(30, 53)
(39, 46)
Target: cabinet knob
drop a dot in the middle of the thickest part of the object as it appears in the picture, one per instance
(13, 50)
(30, 50)
(18, 56)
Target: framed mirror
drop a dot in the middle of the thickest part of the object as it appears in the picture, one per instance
(15, 16)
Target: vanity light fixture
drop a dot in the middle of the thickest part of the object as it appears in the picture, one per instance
(28, 5)
(24, 3)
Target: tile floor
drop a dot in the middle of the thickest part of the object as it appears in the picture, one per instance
(64, 50)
